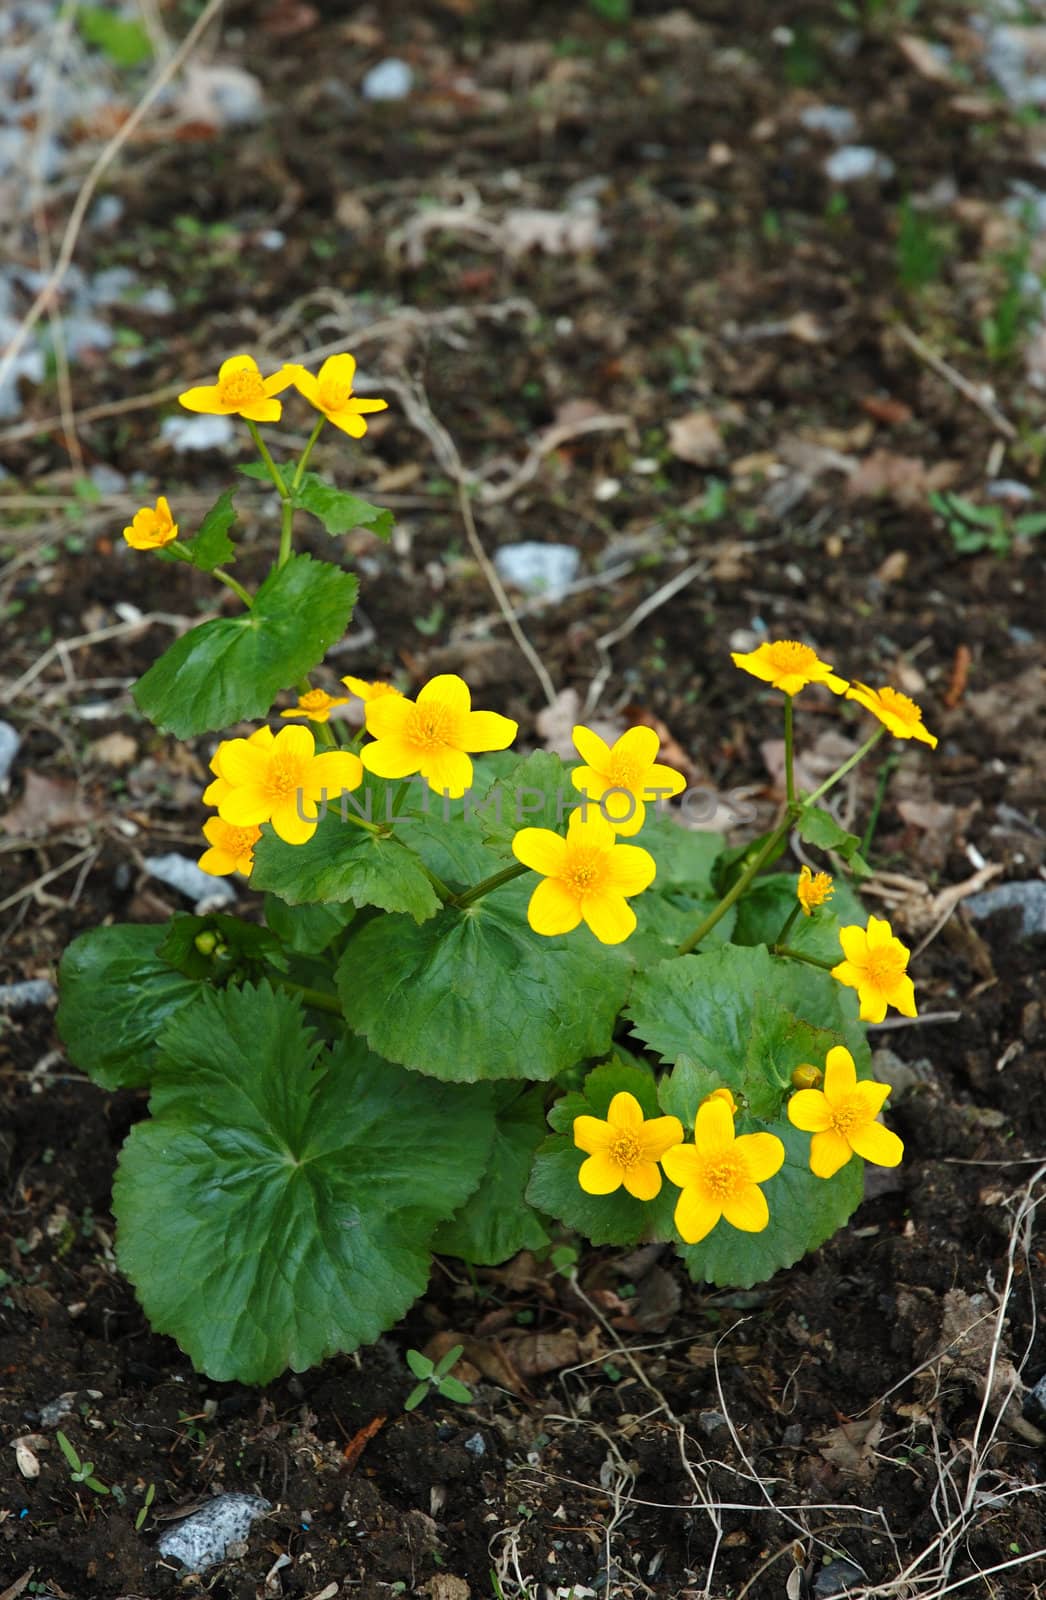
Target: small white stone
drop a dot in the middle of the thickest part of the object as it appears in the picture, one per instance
(178, 872)
(391, 79)
(853, 162)
(538, 568)
(835, 122)
(197, 433)
(9, 744)
(203, 1539)
(607, 488)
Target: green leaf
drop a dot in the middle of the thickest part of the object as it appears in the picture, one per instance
(212, 546)
(343, 863)
(475, 994)
(554, 1188)
(416, 1396)
(818, 827)
(804, 1212)
(536, 792)
(420, 1365)
(232, 668)
(277, 1206)
(496, 1221)
(763, 911)
(116, 993)
(742, 1018)
(307, 930)
(452, 1389)
(339, 511)
(448, 1360)
(240, 948)
(123, 39)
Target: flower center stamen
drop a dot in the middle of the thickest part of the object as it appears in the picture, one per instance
(241, 388)
(625, 1150)
(900, 705)
(284, 777)
(313, 698)
(333, 393)
(788, 655)
(586, 868)
(884, 967)
(724, 1176)
(624, 772)
(847, 1117)
(428, 727)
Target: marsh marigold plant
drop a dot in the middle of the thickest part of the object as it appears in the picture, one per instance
(470, 998)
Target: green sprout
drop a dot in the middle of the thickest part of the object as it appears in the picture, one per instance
(434, 1375)
(79, 1471)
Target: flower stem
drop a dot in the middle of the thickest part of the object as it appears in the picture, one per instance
(840, 772)
(311, 997)
(286, 529)
(789, 752)
(799, 955)
(769, 850)
(478, 890)
(270, 465)
(299, 471)
(231, 583)
(789, 924)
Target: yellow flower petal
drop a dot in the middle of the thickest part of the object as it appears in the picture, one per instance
(683, 1165)
(609, 916)
(763, 1155)
(449, 771)
(873, 1142)
(809, 1111)
(871, 1097)
(625, 1111)
(829, 1152)
(487, 730)
(631, 869)
(334, 771)
(390, 757)
(643, 1181)
(349, 421)
(854, 941)
(592, 1134)
(387, 715)
(295, 820)
(553, 909)
(659, 1135)
(447, 690)
(695, 1215)
(840, 1074)
(747, 1209)
(600, 1174)
(338, 369)
(713, 1128)
(639, 745)
(594, 751)
(661, 777)
(245, 806)
(542, 850)
(621, 808)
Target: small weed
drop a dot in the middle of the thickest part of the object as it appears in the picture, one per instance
(974, 528)
(79, 1471)
(150, 1496)
(434, 1375)
(921, 249)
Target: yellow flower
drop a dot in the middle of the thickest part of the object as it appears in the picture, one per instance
(894, 709)
(876, 966)
(330, 391)
(150, 528)
(723, 1094)
(841, 1118)
(624, 1149)
(432, 736)
(240, 391)
(215, 792)
(232, 849)
(587, 877)
(807, 1076)
(720, 1174)
(789, 666)
(282, 782)
(629, 769)
(316, 704)
(812, 889)
(369, 691)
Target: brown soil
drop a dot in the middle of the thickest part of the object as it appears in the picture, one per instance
(636, 1436)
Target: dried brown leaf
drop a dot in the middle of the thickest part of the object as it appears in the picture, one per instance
(46, 805)
(696, 438)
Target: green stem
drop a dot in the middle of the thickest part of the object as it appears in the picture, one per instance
(270, 465)
(478, 890)
(885, 773)
(299, 471)
(230, 583)
(789, 924)
(400, 796)
(445, 892)
(769, 850)
(799, 955)
(789, 752)
(312, 997)
(286, 529)
(840, 772)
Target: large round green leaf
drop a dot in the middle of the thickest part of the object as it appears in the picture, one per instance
(279, 1204)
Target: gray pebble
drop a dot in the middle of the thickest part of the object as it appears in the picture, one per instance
(853, 162)
(1028, 897)
(9, 743)
(476, 1445)
(23, 996)
(838, 1577)
(538, 568)
(391, 79)
(203, 1539)
(197, 433)
(178, 872)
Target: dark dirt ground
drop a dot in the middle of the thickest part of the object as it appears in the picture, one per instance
(639, 1436)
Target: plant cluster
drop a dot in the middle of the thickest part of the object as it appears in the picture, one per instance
(486, 1000)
